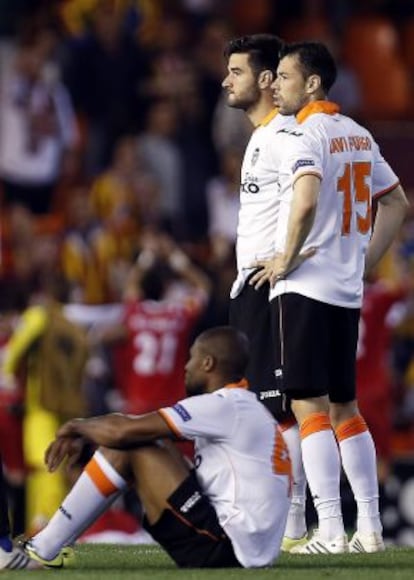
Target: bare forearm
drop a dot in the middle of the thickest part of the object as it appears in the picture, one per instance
(388, 221)
(118, 431)
(302, 217)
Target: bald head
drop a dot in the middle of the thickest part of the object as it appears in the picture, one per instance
(217, 357)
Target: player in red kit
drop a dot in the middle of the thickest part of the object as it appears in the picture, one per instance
(164, 300)
(373, 365)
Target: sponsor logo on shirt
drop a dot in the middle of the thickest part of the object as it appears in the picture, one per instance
(290, 132)
(302, 163)
(255, 156)
(190, 502)
(182, 411)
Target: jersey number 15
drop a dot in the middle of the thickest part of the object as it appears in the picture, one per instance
(355, 189)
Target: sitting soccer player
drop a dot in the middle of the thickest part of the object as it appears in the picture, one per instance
(229, 512)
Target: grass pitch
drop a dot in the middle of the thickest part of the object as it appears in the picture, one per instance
(116, 562)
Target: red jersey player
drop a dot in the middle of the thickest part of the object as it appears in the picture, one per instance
(164, 300)
(373, 365)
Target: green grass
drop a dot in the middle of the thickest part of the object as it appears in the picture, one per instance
(96, 562)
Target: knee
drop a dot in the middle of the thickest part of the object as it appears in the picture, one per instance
(118, 458)
(340, 412)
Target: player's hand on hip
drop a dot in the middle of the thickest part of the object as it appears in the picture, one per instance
(275, 269)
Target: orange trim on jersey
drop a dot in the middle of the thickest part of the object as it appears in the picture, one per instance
(285, 425)
(314, 107)
(268, 118)
(315, 423)
(170, 423)
(385, 191)
(350, 428)
(280, 459)
(100, 479)
(243, 384)
(190, 525)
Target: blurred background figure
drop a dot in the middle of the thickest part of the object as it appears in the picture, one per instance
(37, 123)
(164, 300)
(51, 352)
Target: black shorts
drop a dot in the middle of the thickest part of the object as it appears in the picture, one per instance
(316, 354)
(190, 531)
(250, 312)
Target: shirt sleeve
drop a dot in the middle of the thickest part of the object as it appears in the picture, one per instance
(383, 177)
(210, 416)
(304, 156)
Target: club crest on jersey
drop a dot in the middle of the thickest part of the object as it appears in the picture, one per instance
(182, 412)
(255, 156)
(302, 163)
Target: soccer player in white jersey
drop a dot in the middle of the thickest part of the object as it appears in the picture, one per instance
(230, 511)
(251, 69)
(330, 174)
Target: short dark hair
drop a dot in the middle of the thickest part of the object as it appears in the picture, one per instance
(155, 280)
(230, 349)
(263, 50)
(314, 59)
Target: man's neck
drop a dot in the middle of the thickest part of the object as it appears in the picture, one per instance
(260, 111)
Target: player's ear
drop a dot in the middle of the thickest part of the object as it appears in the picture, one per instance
(265, 79)
(208, 363)
(313, 84)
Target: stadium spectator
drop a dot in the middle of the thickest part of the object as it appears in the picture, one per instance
(330, 171)
(158, 148)
(88, 252)
(37, 124)
(104, 71)
(238, 494)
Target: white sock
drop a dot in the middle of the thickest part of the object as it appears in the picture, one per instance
(322, 467)
(360, 465)
(296, 521)
(94, 491)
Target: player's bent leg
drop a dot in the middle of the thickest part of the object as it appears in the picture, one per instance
(99, 484)
(178, 514)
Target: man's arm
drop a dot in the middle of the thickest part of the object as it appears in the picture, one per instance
(301, 218)
(392, 209)
(115, 431)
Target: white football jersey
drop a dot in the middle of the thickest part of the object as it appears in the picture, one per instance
(353, 172)
(242, 465)
(259, 195)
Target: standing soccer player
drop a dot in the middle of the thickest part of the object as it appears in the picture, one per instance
(251, 69)
(330, 173)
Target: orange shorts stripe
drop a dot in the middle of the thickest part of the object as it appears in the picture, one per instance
(102, 482)
(350, 428)
(315, 423)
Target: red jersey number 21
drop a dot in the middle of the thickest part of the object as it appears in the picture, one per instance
(355, 189)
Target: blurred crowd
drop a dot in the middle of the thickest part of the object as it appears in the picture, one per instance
(119, 157)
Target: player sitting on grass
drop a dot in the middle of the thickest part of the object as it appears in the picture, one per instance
(229, 512)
